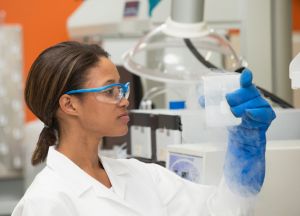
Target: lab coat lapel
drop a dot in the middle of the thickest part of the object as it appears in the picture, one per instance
(117, 174)
(126, 186)
(74, 177)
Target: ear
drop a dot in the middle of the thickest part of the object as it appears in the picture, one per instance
(69, 104)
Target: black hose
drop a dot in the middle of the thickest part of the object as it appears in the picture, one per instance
(282, 103)
(198, 56)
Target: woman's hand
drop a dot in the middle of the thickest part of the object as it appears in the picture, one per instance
(244, 168)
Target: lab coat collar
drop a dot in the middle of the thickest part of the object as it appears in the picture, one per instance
(117, 173)
(80, 181)
(74, 177)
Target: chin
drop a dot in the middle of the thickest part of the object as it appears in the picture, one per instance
(120, 132)
(124, 133)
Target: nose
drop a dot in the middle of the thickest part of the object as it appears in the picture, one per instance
(124, 102)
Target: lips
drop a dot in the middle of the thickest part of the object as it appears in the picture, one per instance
(124, 114)
(124, 118)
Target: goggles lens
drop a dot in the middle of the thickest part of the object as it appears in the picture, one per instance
(112, 93)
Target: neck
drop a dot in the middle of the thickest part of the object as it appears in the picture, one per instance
(81, 148)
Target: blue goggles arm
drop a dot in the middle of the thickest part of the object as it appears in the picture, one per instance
(103, 88)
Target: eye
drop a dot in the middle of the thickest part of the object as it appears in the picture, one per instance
(109, 92)
(112, 92)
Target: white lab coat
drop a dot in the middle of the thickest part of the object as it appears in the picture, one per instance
(138, 189)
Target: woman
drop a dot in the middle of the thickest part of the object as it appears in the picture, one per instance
(74, 89)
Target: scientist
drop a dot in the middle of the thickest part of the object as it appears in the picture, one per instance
(74, 90)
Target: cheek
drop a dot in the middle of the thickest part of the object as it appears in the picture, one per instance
(102, 119)
(98, 118)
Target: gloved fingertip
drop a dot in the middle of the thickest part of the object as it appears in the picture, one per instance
(228, 98)
(201, 101)
(231, 99)
(272, 115)
(246, 78)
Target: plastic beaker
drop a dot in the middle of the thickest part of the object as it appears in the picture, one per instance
(215, 87)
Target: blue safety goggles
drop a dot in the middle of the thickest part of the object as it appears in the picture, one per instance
(109, 93)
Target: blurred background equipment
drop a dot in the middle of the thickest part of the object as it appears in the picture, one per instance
(295, 72)
(11, 115)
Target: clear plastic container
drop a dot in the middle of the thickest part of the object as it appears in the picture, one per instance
(215, 88)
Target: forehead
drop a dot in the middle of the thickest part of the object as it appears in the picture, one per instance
(105, 72)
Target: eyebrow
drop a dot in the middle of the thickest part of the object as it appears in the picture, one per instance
(111, 81)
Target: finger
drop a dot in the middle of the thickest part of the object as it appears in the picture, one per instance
(263, 115)
(242, 95)
(257, 102)
(246, 78)
(201, 101)
(249, 123)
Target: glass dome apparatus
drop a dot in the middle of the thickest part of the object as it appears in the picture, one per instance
(166, 55)
(183, 50)
(180, 52)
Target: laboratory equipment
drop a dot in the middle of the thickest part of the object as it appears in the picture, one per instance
(168, 131)
(149, 142)
(199, 163)
(94, 20)
(183, 49)
(281, 187)
(150, 134)
(141, 143)
(11, 117)
(151, 131)
(295, 72)
(11, 109)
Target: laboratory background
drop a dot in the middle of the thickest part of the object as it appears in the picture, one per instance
(181, 58)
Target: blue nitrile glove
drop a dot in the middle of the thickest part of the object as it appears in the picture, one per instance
(244, 168)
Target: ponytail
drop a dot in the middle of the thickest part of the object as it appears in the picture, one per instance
(47, 138)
